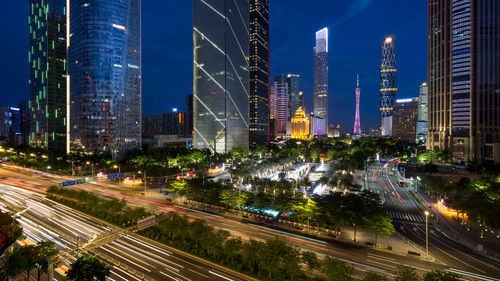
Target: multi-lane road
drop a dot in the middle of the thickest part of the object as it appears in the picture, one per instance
(410, 220)
(365, 259)
(133, 257)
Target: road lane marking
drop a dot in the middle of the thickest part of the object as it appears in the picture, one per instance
(138, 265)
(221, 276)
(198, 273)
(381, 264)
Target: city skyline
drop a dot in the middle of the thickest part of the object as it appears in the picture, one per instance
(291, 53)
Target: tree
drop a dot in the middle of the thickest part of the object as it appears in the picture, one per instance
(88, 268)
(44, 251)
(372, 276)
(405, 273)
(311, 260)
(437, 275)
(337, 270)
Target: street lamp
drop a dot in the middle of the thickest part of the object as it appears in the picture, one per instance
(427, 234)
(88, 163)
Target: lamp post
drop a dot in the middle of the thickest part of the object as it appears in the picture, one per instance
(427, 234)
(88, 163)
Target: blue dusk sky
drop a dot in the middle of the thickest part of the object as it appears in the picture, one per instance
(357, 28)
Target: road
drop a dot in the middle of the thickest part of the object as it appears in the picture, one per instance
(409, 219)
(364, 259)
(48, 220)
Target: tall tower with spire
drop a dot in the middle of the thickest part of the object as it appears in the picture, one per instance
(357, 126)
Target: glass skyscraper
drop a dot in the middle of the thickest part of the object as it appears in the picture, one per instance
(280, 92)
(47, 82)
(464, 79)
(221, 74)
(388, 86)
(293, 81)
(105, 70)
(260, 71)
(321, 76)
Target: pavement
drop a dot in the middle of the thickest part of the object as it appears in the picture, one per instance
(363, 259)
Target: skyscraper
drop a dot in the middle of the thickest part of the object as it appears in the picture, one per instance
(321, 76)
(47, 59)
(280, 91)
(105, 70)
(260, 72)
(293, 81)
(421, 133)
(221, 74)
(357, 126)
(388, 86)
(464, 79)
(405, 119)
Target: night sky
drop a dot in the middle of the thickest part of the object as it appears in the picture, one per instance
(357, 28)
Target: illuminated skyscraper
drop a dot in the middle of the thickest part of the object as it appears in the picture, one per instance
(388, 86)
(105, 68)
(464, 79)
(421, 134)
(357, 126)
(405, 119)
(300, 125)
(221, 74)
(280, 91)
(293, 81)
(260, 71)
(321, 76)
(47, 61)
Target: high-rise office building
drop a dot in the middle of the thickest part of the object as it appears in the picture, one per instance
(293, 81)
(421, 137)
(321, 76)
(47, 59)
(405, 119)
(357, 125)
(175, 122)
(260, 72)
(464, 79)
(221, 74)
(388, 85)
(301, 99)
(280, 92)
(105, 70)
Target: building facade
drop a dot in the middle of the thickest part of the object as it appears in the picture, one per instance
(293, 81)
(260, 72)
(221, 74)
(421, 131)
(300, 125)
(105, 70)
(189, 116)
(321, 76)
(48, 68)
(280, 92)
(405, 119)
(388, 85)
(464, 79)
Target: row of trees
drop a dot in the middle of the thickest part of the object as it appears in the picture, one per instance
(113, 211)
(480, 199)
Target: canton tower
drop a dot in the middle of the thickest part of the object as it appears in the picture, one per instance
(357, 127)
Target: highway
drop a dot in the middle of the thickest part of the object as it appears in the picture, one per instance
(138, 258)
(409, 219)
(364, 259)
